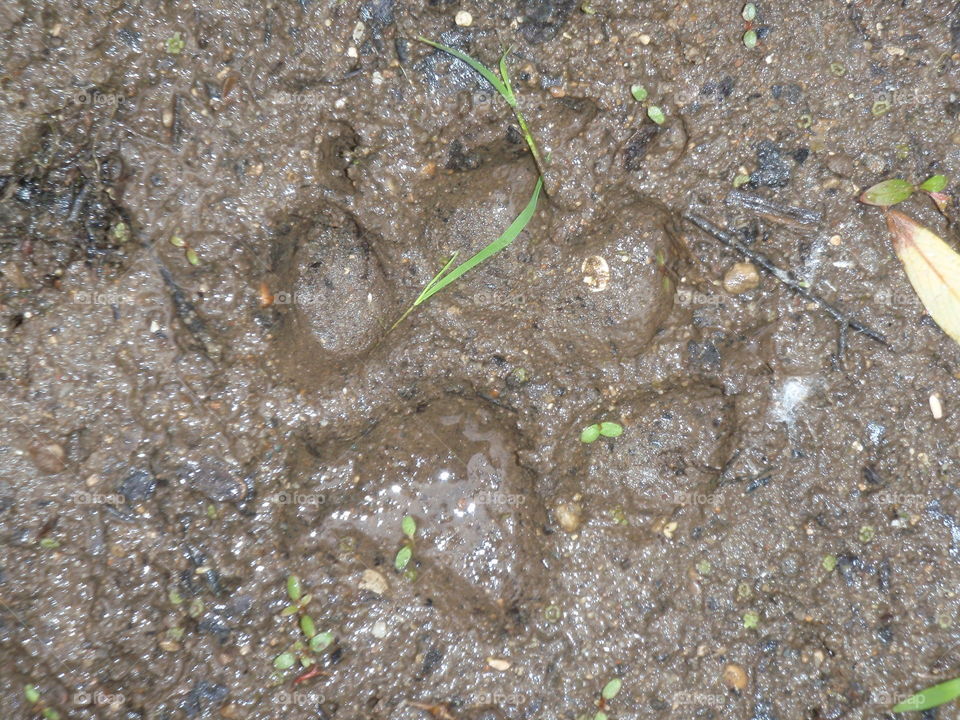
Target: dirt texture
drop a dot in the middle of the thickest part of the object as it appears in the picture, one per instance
(213, 211)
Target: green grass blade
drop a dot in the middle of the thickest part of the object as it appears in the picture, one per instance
(509, 235)
(931, 697)
(505, 74)
(436, 279)
(476, 65)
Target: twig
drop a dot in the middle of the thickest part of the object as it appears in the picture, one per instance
(773, 209)
(787, 279)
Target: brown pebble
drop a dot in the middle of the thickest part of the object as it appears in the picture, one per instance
(49, 459)
(734, 677)
(569, 516)
(741, 278)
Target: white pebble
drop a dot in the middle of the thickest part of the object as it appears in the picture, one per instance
(464, 19)
(936, 406)
(379, 629)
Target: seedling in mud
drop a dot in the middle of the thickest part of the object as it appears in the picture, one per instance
(300, 651)
(931, 697)
(405, 554)
(608, 693)
(32, 695)
(654, 112)
(896, 190)
(606, 429)
(503, 86)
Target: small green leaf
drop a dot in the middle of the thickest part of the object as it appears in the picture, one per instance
(304, 601)
(867, 533)
(934, 184)
(306, 661)
(177, 241)
(284, 661)
(750, 39)
(175, 44)
(175, 597)
(639, 92)
(611, 689)
(31, 693)
(320, 642)
(611, 429)
(656, 114)
(750, 620)
(51, 714)
(403, 557)
(590, 433)
(294, 589)
(306, 624)
(601, 715)
(49, 543)
(409, 526)
(887, 193)
(931, 697)
(290, 610)
(192, 256)
(749, 12)
(830, 563)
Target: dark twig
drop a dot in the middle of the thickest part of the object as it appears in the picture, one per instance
(787, 279)
(773, 209)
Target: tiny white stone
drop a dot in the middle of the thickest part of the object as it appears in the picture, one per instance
(936, 406)
(379, 629)
(464, 19)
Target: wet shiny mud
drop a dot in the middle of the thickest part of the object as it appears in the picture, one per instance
(211, 213)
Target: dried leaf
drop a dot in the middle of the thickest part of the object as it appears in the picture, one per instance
(933, 268)
(888, 192)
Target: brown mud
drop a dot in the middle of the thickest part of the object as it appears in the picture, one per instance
(184, 430)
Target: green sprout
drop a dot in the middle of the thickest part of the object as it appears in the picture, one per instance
(607, 429)
(931, 697)
(175, 44)
(750, 620)
(750, 39)
(611, 689)
(656, 114)
(896, 190)
(867, 533)
(409, 526)
(316, 642)
(444, 278)
(32, 695)
(639, 92)
(502, 85)
(403, 557)
(749, 12)
(829, 563)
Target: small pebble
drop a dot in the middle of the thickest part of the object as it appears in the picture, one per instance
(464, 19)
(734, 677)
(741, 278)
(498, 663)
(379, 629)
(936, 406)
(569, 516)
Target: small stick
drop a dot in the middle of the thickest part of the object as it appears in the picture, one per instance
(787, 279)
(773, 209)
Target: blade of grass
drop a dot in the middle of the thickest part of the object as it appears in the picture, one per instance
(502, 86)
(508, 236)
(931, 697)
(420, 297)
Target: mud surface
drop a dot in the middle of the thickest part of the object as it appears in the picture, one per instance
(211, 213)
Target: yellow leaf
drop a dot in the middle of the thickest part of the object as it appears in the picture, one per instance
(933, 268)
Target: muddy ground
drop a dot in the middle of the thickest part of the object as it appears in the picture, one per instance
(212, 211)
